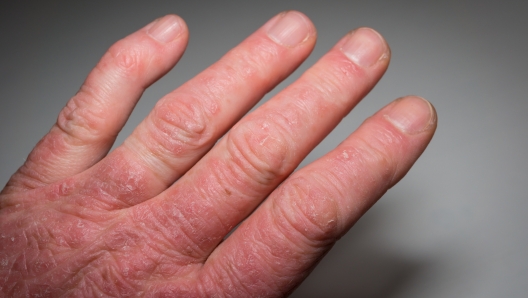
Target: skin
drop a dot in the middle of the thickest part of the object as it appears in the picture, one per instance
(151, 217)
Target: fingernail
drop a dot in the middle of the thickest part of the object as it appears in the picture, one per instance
(166, 29)
(291, 29)
(365, 47)
(411, 115)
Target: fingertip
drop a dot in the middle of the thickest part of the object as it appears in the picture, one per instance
(411, 115)
(167, 29)
(365, 47)
(291, 28)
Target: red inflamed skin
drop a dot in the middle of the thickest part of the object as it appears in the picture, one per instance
(156, 216)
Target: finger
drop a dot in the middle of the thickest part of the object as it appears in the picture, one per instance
(87, 127)
(285, 237)
(265, 147)
(187, 122)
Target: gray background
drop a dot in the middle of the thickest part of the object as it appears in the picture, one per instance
(454, 227)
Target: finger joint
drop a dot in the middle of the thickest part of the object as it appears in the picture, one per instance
(262, 149)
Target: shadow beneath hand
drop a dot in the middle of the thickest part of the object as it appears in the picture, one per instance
(361, 264)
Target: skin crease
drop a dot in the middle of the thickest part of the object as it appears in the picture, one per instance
(150, 218)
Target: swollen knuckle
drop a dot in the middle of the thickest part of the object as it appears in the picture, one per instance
(308, 208)
(262, 148)
(81, 118)
(184, 126)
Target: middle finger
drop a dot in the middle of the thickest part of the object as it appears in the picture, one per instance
(187, 122)
(265, 147)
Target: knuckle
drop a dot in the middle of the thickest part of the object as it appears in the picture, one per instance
(176, 129)
(81, 118)
(239, 66)
(262, 148)
(332, 80)
(251, 63)
(376, 150)
(307, 210)
(124, 58)
(329, 81)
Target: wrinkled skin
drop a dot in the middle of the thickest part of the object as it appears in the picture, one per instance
(151, 217)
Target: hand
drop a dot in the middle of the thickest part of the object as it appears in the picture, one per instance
(151, 217)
